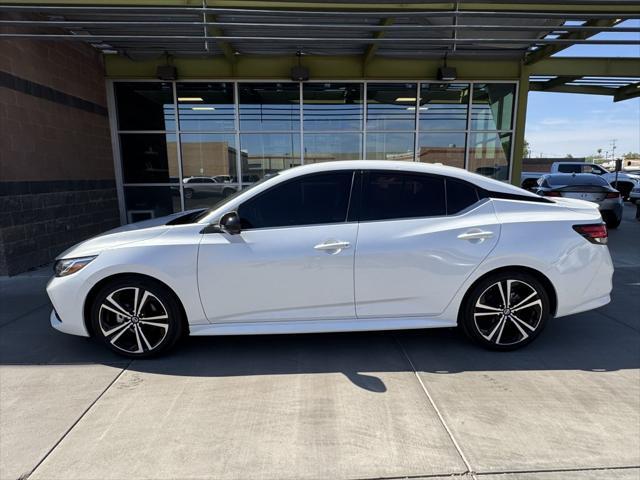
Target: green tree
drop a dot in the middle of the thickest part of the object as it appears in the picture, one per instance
(526, 149)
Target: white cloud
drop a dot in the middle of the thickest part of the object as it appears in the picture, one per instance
(554, 121)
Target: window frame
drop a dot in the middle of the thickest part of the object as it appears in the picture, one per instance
(353, 172)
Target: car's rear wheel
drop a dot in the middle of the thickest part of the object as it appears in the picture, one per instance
(136, 317)
(505, 311)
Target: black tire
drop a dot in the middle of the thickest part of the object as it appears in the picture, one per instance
(504, 330)
(611, 220)
(188, 193)
(624, 188)
(155, 319)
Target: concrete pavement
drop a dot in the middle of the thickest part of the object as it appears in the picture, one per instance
(423, 404)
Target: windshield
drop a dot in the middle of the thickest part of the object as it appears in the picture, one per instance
(583, 179)
(225, 200)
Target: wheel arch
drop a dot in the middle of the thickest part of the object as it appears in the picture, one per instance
(538, 275)
(89, 299)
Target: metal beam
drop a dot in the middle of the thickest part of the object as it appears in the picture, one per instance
(556, 82)
(217, 33)
(587, 67)
(371, 49)
(342, 40)
(543, 9)
(581, 89)
(579, 37)
(625, 93)
(331, 26)
(347, 67)
(519, 128)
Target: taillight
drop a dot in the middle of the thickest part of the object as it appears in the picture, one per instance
(613, 195)
(551, 194)
(596, 233)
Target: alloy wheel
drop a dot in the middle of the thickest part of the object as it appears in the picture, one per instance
(133, 320)
(508, 312)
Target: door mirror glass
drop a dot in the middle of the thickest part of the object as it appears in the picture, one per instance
(230, 223)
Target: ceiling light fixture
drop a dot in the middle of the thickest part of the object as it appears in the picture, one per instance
(190, 99)
(202, 108)
(406, 99)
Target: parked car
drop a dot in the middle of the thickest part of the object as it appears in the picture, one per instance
(634, 196)
(207, 186)
(624, 183)
(341, 246)
(584, 186)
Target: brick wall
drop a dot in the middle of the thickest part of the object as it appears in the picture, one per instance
(39, 220)
(56, 166)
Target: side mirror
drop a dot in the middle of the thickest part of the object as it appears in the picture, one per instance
(230, 223)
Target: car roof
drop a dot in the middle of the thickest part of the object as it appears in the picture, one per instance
(418, 167)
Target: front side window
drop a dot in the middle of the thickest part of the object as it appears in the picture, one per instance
(393, 195)
(308, 200)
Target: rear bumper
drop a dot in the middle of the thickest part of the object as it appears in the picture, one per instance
(585, 281)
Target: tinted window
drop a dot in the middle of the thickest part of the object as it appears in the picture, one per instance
(583, 179)
(402, 195)
(309, 200)
(460, 195)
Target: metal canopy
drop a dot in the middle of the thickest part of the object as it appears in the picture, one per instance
(421, 30)
(620, 88)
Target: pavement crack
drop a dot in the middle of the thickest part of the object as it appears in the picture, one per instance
(610, 317)
(437, 410)
(22, 315)
(82, 415)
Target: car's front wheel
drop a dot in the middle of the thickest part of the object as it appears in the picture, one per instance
(136, 317)
(505, 311)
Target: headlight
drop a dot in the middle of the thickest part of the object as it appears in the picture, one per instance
(67, 266)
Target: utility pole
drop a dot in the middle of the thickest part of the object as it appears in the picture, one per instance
(613, 148)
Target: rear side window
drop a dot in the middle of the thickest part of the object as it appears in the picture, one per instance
(568, 168)
(391, 195)
(583, 179)
(308, 200)
(460, 195)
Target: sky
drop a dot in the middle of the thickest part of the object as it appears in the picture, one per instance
(562, 123)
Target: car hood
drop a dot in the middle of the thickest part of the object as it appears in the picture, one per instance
(133, 232)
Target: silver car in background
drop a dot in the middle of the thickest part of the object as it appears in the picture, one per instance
(585, 186)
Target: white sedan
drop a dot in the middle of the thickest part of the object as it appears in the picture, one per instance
(342, 246)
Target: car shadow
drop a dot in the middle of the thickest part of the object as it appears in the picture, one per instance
(592, 341)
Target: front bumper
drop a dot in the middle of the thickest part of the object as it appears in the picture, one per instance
(67, 295)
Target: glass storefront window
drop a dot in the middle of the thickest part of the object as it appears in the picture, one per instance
(390, 146)
(145, 106)
(264, 153)
(143, 203)
(490, 154)
(447, 148)
(206, 107)
(332, 106)
(443, 106)
(149, 158)
(327, 147)
(268, 107)
(228, 135)
(209, 155)
(391, 106)
(492, 107)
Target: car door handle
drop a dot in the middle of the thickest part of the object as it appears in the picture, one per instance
(475, 235)
(332, 246)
